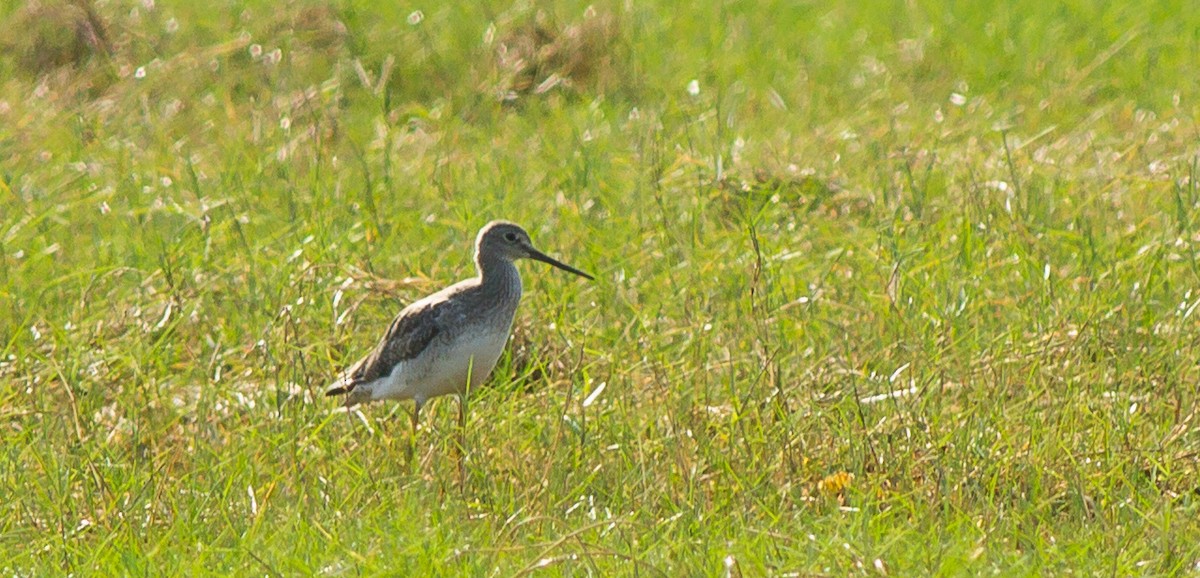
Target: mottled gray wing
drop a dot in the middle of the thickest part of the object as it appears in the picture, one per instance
(409, 334)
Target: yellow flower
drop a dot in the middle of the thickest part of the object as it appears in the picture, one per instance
(835, 484)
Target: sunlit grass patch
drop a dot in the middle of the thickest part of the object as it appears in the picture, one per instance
(905, 290)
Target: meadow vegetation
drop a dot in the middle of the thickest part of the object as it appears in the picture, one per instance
(883, 287)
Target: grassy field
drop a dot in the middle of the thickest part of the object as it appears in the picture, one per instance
(883, 288)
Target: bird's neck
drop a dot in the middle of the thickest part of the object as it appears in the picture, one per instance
(499, 276)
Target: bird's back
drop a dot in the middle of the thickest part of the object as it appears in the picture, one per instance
(432, 345)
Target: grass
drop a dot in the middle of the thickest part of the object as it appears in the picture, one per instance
(206, 211)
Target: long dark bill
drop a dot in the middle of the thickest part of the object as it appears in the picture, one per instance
(540, 256)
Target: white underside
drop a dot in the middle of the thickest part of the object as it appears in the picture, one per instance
(442, 369)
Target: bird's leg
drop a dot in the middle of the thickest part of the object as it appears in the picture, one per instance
(462, 423)
(412, 438)
(462, 436)
(462, 419)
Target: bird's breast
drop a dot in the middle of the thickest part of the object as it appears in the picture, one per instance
(469, 355)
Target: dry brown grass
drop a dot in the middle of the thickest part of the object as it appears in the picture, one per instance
(537, 55)
(799, 190)
(315, 27)
(55, 34)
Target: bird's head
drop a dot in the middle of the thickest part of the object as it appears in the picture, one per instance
(508, 241)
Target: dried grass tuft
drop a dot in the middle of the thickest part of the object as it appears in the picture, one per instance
(312, 27)
(49, 34)
(536, 56)
(796, 190)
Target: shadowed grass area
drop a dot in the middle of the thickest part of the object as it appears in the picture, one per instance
(900, 288)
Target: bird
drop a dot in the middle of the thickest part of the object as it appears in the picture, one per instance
(448, 342)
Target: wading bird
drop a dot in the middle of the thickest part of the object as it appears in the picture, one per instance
(448, 342)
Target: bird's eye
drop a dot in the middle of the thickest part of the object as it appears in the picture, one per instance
(510, 237)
